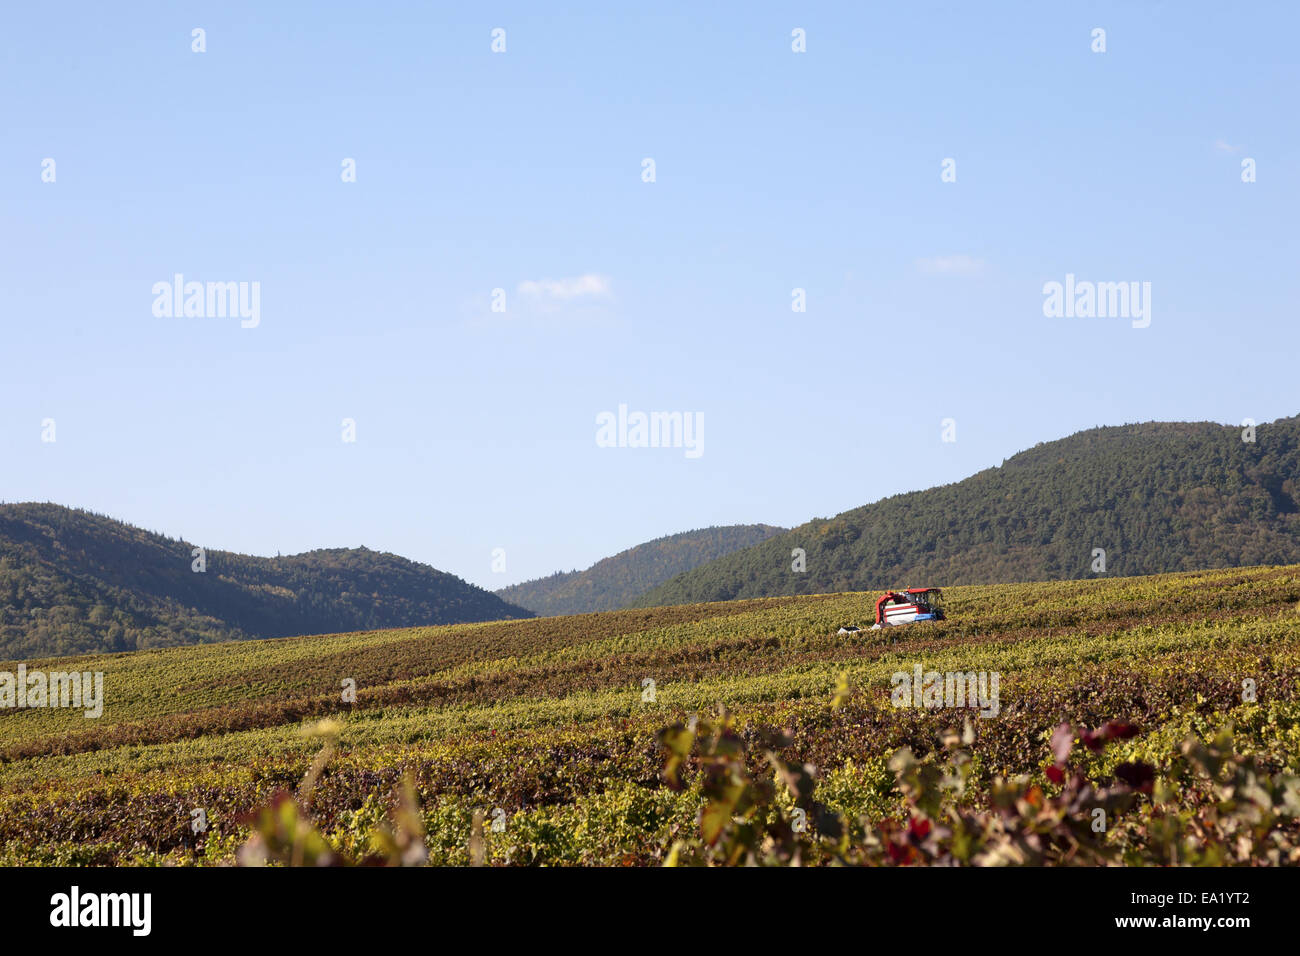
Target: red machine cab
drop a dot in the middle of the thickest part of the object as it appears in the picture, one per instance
(908, 605)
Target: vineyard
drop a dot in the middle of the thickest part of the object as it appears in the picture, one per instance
(1138, 720)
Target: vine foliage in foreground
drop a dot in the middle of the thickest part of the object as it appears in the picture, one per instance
(1211, 807)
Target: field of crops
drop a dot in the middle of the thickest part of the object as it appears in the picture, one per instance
(571, 740)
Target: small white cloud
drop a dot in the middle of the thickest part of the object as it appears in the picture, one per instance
(958, 265)
(584, 299)
(556, 291)
(1225, 147)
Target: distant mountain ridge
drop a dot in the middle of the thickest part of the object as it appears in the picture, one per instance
(74, 582)
(616, 581)
(1158, 496)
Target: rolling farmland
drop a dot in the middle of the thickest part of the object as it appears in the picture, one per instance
(543, 742)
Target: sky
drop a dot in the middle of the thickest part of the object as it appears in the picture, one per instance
(922, 355)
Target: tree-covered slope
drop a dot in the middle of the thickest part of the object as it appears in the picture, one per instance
(74, 582)
(1156, 497)
(616, 581)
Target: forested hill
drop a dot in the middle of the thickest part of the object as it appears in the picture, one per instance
(1156, 497)
(618, 580)
(74, 582)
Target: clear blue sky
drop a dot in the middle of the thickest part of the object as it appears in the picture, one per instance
(475, 171)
